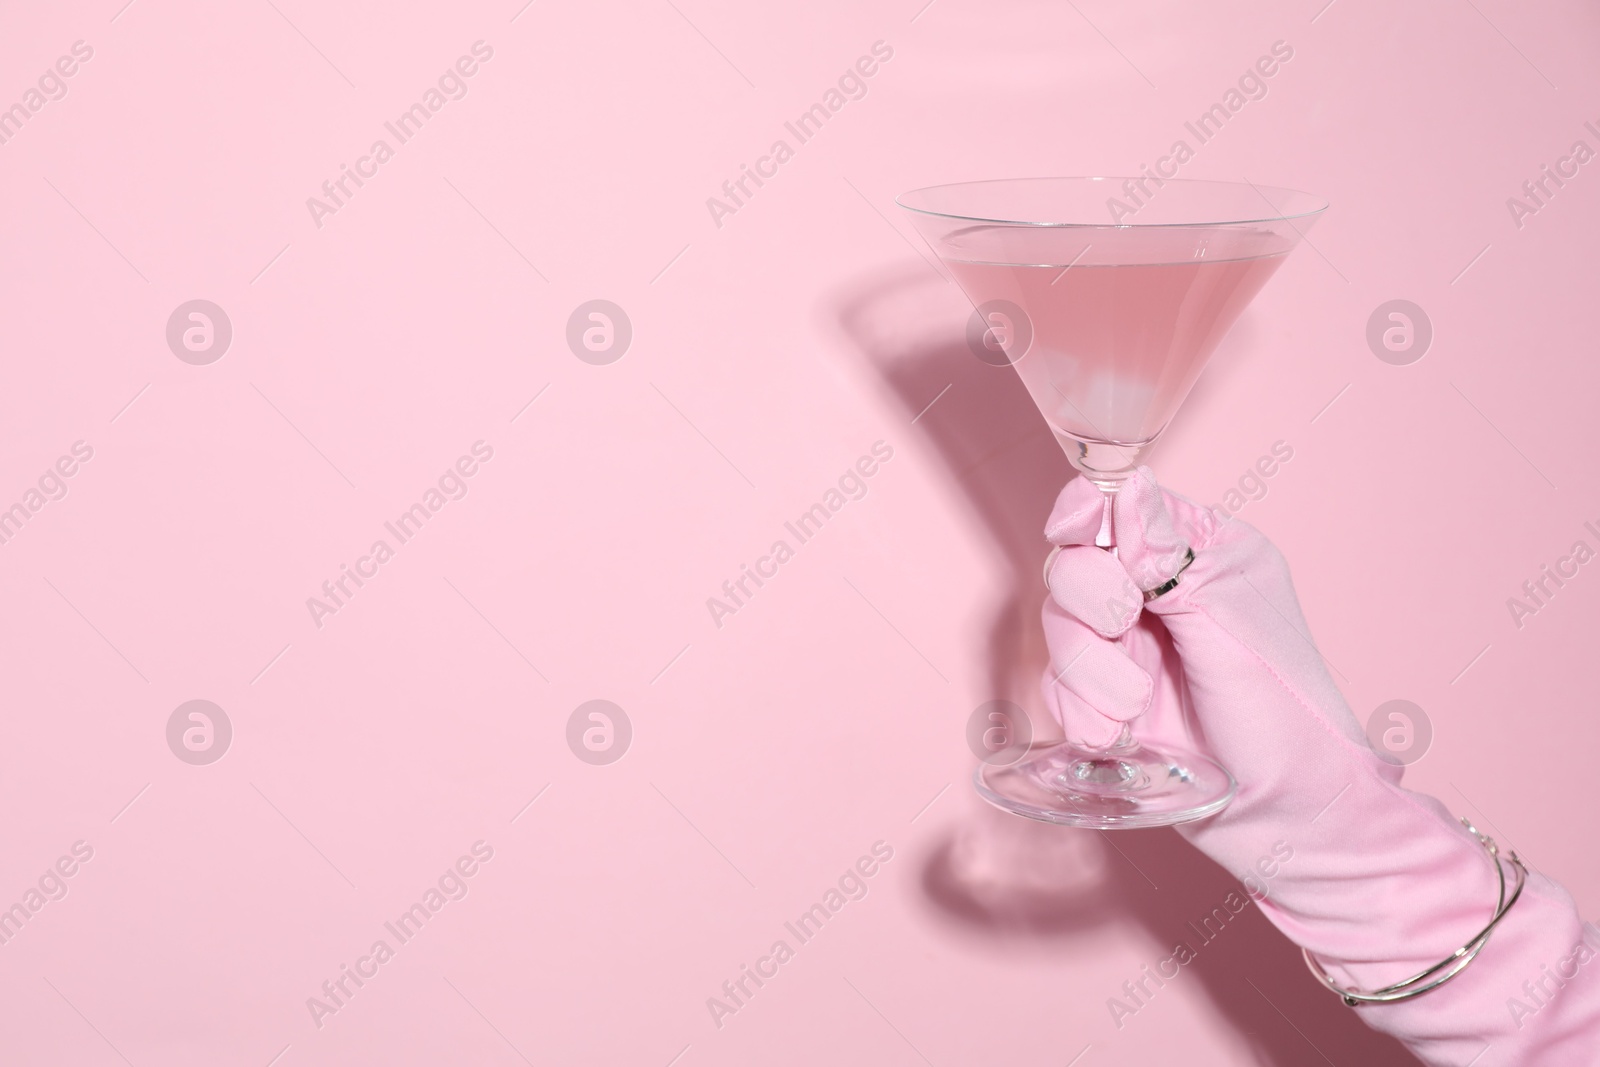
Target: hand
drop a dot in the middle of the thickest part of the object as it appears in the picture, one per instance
(1379, 882)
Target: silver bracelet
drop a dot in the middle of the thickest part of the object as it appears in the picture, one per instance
(1452, 964)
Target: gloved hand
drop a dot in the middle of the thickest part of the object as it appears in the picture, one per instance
(1380, 883)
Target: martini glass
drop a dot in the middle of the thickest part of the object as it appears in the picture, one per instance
(1108, 296)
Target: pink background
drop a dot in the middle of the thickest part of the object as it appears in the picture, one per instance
(767, 355)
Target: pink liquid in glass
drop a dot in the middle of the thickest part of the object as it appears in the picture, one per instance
(1122, 321)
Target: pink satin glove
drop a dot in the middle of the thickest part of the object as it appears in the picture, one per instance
(1378, 882)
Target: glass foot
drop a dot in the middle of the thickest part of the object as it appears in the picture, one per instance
(1123, 788)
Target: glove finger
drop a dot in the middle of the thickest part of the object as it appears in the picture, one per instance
(1149, 546)
(1091, 585)
(1077, 515)
(1091, 685)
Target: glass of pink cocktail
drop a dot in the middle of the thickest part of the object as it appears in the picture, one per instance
(1108, 296)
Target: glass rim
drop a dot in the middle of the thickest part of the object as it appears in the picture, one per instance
(1320, 204)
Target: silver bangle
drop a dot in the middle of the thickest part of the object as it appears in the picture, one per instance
(1452, 964)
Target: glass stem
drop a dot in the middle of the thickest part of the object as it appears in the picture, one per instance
(1103, 539)
(1107, 765)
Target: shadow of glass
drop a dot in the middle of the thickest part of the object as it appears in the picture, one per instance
(1003, 463)
(1005, 878)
